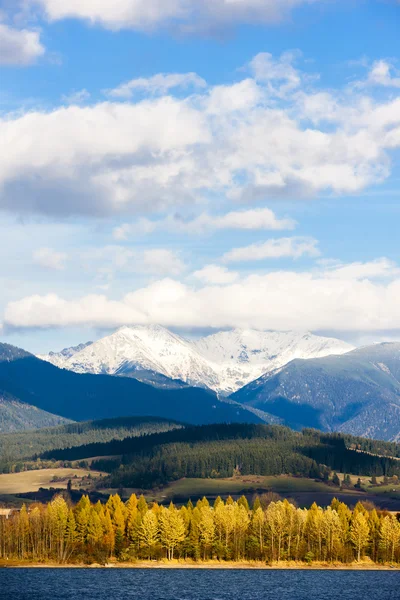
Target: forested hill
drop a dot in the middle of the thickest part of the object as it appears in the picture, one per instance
(28, 444)
(219, 450)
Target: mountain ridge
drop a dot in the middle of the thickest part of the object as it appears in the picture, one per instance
(33, 382)
(356, 393)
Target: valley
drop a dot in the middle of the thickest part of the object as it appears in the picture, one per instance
(169, 461)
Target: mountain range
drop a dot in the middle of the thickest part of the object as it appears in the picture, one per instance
(223, 362)
(300, 380)
(27, 380)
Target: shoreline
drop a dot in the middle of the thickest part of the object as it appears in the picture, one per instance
(245, 565)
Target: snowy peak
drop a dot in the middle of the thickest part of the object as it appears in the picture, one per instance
(261, 347)
(150, 349)
(245, 354)
(224, 362)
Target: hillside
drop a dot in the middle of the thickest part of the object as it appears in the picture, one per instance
(28, 444)
(18, 416)
(85, 397)
(223, 362)
(358, 392)
(219, 450)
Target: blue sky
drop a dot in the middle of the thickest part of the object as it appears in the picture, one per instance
(198, 164)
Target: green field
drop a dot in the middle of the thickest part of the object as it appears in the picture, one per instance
(215, 487)
(303, 491)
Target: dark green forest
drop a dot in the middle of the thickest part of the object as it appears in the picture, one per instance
(17, 447)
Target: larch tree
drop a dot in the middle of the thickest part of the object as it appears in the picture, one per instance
(390, 536)
(359, 533)
(172, 529)
(148, 532)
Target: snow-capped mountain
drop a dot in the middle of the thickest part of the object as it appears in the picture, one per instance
(223, 362)
(245, 354)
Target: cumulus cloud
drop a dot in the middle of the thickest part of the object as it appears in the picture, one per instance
(254, 219)
(19, 47)
(186, 15)
(158, 84)
(160, 152)
(278, 300)
(280, 75)
(215, 275)
(50, 259)
(382, 73)
(294, 247)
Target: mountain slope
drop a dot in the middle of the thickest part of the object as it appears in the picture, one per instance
(23, 444)
(358, 392)
(17, 416)
(223, 362)
(75, 396)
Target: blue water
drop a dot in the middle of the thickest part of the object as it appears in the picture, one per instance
(185, 584)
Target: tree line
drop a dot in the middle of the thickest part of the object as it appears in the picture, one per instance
(20, 450)
(270, 530)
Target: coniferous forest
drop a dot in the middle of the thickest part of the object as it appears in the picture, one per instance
(218, 450)
(267, 531)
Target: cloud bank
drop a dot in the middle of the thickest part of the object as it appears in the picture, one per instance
(329, 300)
(268, 136)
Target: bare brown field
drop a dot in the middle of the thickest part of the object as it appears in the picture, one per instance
(31, 481)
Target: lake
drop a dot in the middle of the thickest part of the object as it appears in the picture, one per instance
(188, 584)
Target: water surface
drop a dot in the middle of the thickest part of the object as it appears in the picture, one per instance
(188, 584)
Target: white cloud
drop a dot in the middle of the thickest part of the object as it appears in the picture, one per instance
(215, 275)
(186, 15)
(254, 219)
(280, 75)
(76, 97)
(227, 99)
(19, 46)
(376, 269)
(382, 73)
(50, 259)
(161, 152)
(294, 247)
(278, 300)
(158, 84)
(141, 226)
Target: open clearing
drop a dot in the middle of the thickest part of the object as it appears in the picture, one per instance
(31, 481)
(303, 491)
(214, 487)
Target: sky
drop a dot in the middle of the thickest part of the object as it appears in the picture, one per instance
(200, 164)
